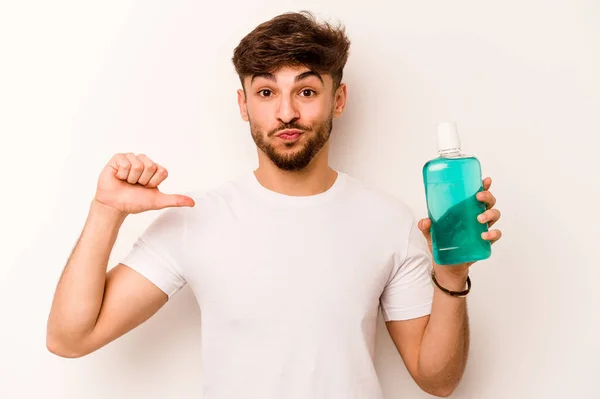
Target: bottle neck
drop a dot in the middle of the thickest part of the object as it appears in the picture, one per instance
(450, 153)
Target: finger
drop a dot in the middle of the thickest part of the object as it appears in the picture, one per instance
(490, 216)
(424, 225)
(121, 164)
(487, 183)
(137, 167)
(492, 235)
(488, 198)
(149, 169)
(158, 177)
(172, 200)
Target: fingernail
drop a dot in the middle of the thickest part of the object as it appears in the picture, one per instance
(481, 218)
(484, 235)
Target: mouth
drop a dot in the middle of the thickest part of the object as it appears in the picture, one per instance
(289, 134)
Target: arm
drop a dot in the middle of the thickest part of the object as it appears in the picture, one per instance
(435, 348)
(92, 307)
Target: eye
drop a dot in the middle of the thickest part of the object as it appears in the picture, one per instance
(308, 93)
(265, 93)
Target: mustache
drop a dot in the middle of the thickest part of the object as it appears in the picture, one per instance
(292, 125)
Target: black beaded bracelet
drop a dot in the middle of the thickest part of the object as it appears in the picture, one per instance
(453, 293)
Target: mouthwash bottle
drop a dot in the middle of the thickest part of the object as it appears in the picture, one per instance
(452, 181)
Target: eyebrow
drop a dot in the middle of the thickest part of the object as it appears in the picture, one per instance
(303, 75)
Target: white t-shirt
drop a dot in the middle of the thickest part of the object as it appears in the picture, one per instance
(290, 287)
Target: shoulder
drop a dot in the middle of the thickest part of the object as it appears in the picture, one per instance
(376, 202)
(214, 202)
(213, 206)
(383, 214)
(224, 193)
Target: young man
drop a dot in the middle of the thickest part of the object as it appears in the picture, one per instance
(290, 264)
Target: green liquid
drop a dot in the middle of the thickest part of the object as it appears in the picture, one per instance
(451, 185)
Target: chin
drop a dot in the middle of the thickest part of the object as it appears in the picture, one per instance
(291, 149)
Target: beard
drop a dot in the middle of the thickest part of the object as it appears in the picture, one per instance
(300, 158)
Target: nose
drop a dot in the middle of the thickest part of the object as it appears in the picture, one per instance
(287, 112)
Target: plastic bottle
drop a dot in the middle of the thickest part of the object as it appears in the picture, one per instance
(452, 181)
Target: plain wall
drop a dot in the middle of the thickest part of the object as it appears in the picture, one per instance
(80, 81)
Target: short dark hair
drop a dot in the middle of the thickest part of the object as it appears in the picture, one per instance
(293, 39)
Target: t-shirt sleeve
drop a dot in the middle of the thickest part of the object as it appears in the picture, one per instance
(157, 254)
(408, 293)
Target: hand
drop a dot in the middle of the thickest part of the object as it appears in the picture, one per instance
(490, 216)
(129, 184)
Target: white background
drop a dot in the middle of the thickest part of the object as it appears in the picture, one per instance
(80, 81)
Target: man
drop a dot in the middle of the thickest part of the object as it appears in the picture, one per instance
(290, 264)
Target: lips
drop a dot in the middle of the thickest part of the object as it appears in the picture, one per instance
(289, 134)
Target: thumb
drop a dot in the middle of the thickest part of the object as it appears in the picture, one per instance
(425, 226)
(172, 200)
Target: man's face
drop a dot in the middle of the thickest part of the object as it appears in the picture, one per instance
(290, 113)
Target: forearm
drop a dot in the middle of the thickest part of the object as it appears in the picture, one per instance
(445, 345)
(79, 293)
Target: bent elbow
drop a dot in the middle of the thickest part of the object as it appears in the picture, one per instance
(59, 348)
(441, 392)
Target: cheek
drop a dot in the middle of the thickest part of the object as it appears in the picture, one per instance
(261, 119)
(319, 111)
(260, 112)
(315, 118)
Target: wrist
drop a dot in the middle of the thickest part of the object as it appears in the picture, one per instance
(106, 212)
(451, 277)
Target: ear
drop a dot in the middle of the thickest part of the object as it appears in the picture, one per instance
(242, 104)
(339, 100)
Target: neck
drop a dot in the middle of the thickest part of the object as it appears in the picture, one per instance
(316, 178)
(453, 152)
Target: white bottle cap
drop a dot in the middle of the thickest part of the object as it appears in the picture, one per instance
(448, 140)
